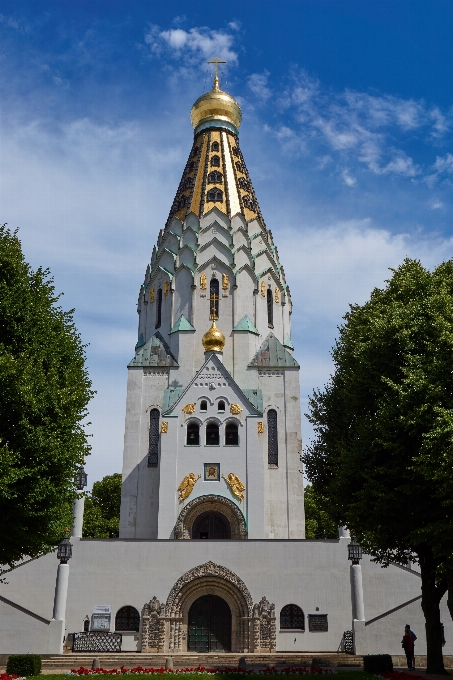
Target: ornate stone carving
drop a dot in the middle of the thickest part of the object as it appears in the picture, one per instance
(211, 503)
(260, 427)
(186, 486)
(264, 626)
(164, 427)
(207, 569)
(235, 409)
(151, 624)
(188, 409)
(236, 486)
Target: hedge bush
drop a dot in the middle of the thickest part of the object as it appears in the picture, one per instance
(24, 664)
(377, 663)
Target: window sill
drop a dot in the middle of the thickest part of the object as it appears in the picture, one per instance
(231, 446)
(291, 630)
(213, 446)
(192, 446)
(272, 467)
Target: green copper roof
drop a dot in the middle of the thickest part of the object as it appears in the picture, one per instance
(272, 354)
(155, 352)
(171, 396)
(288, 342)
(245, 324)
(182, 325)
(255, 397)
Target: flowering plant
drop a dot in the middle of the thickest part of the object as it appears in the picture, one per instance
(202, 670)
(5, 676)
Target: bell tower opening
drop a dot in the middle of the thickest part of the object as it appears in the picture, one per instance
(211, 525)
(209, 625)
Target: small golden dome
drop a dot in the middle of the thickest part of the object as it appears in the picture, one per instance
(216, 107)
(213, 340)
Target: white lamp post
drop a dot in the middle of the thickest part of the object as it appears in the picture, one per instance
(355, 555)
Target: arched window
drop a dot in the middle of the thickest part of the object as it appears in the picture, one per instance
(292, 616)
(215, 146)
(193, 434)
(215, 177)
(153, 452)
(212, 434)
(127, 618)
(221, 407)
(214, 293)
(215, 161)
(270, 309)
(235, 151)
(272, 438)
(244, 184)
(203, 405)
(215, 195)
(239, 166)
(231, 434)
(159, 308)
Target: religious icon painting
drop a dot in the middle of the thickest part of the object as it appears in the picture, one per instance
(212, 472)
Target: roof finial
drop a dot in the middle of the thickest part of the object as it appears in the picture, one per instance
(216, 61)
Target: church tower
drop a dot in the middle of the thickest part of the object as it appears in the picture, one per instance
(213, 434)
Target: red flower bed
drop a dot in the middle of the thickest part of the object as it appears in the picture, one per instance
(269, 670)
(5, 676)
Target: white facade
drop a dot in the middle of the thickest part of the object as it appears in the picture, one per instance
(212, 451)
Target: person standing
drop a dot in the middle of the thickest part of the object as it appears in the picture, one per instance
(408, 645)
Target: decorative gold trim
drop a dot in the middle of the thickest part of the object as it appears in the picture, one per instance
(277, 295)
(225, 282)
(260, 427)
(166, 287)
(236, 486)
(164, 427)
(203, 282)
(235, 408)
(186, 486)
(151, 295)
(188, 409)
(263, 288)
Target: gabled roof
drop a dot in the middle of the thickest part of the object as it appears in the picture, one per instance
(155, 352)
(182, 325)
(272, 354)
(245, 324)
(172, 399)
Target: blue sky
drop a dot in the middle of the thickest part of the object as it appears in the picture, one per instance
(347, 133)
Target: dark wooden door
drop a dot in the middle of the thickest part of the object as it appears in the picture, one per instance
(212, 525)
(209, 625)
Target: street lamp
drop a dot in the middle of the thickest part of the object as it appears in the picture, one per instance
(354, 551)
(64, 550)
(80, 479)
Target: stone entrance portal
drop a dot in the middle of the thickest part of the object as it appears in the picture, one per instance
(209, 625)
(188, 619)
(227, 511)
(211, 525)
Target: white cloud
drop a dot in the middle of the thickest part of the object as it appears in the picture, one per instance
(198, 44)
(444, 164)
(348, 179)
(257, 83)
(436, 205)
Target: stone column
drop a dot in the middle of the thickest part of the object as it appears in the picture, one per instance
(77, 514)
(61, 592)
(358, 609)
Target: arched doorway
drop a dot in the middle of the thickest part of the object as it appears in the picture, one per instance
(211, 525)
(214, 504)
(209, 625)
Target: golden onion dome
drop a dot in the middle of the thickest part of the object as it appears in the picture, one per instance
(213, 340)
(216, 109)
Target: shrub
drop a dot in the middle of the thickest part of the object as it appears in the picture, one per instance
(24, 664)
(377, 663)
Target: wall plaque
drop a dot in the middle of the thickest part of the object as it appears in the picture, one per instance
(317, 623)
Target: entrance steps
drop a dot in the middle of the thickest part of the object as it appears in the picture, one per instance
(64, 662)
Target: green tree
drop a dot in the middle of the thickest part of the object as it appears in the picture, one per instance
(318, 523)
(383, 448)
(44, 391)
(101, 517)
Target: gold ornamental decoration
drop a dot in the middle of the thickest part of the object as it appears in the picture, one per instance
(236, 486)
(235, 409)
(186, 486)
(260, 427)
(188, 409)
(213, 340)
(203, 282)
(263, 288)
(225, 282)
(151, 295)
(277, 295)
(164, 427)
(166, 287)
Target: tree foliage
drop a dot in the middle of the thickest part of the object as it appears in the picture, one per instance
(44, 391)
(383, 451)
(318, 523)
(101, 517)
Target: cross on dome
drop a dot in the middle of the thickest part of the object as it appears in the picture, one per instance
(216, 61)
